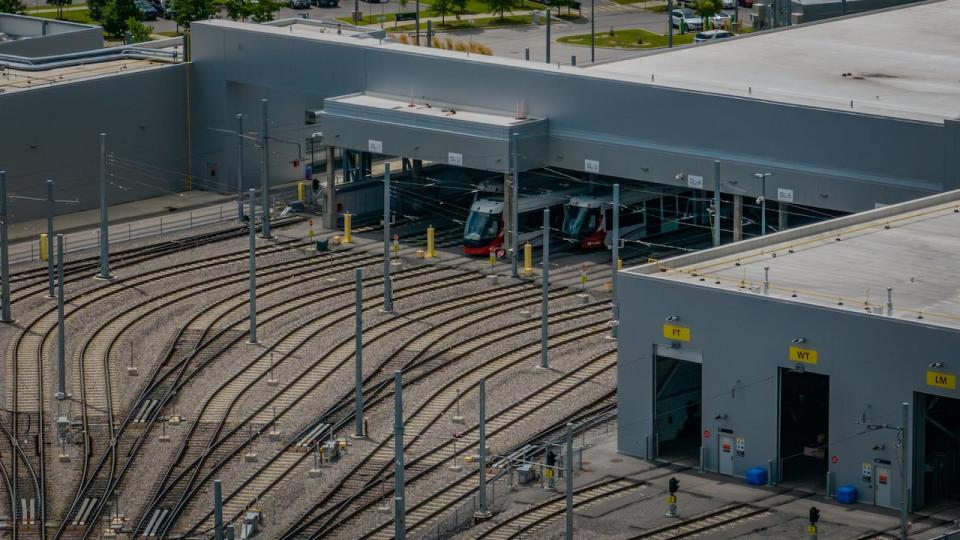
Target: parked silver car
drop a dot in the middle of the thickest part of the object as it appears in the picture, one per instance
(686, 19)
(711, 35)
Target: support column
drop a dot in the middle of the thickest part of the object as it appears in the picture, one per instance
(265, 174)
(783, 215)
(399, 512)
(515, 202)
(50, 239)
(240, 168)
(716, 203)
(104, 218)
(568, 477)
(904, 476)
(61, 326)
(615, 263)
(545, 292)
(737, 218)
(483, 513)
(330, 196)
(507, 209)
(253, 265)
(387, 280)
(358, 353)
(217, 511)
(5, 315)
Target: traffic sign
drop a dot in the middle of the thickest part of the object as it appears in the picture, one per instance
(706, 434)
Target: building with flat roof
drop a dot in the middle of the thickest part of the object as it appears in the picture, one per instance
(799, 350)
(21, 35)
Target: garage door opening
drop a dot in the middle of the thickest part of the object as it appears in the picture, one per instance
(804, 423)
(678, 396)
(937, 443)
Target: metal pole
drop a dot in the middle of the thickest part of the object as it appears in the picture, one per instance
(356, 12)
(50, 239)
(399, 518)
(240, 167)
(568, 476)
(545, 291)
(513, 205)
(593, 33)
(763, 209)
(358, 352)
(669, 23)
(253, 265)
(615, 248)
(716, 203)
(217, 511)
(4, 254)
(482, 428)
(548, 35)
(264, 175)
(387, 280)
(904, 477)
(104, 223)
(61, 327)
(417, 16)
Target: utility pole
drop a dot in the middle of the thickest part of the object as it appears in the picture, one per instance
(545, 291)
(5, 315)
(358, 353)
(253, 265)
(417, 16)
(568, 477)
(399, 517)
(104, 220)
(513, 206)
(615, 248)
(548, 35)
(669, 23)
(387, 280)
(265, 174)
(61, 326)
(716, 203)
(240, 168)
(593, 32)
(904, 477)
(217, 511)
(50, 239)
(484, 513)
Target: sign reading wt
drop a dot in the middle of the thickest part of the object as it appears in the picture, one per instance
(676, 333)
(807, 356)
(942, 380)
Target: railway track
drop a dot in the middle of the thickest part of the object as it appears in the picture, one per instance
(538, 517)
(360, 480)
(420, 355)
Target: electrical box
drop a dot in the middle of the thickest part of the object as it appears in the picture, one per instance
(741, 446)
(867, 472)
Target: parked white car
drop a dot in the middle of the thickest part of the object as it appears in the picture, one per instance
(686, 18)
(711, 35)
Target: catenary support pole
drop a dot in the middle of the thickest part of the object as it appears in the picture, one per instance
(593, 31)
(904, 477)
(330, 195)
(358, 352)
(545, 292)
(515, 202)
(716, 203)
(240, 167)
(399, 517)
(253, 265)
(615, 250)
(5, 315)
(217, 511)
(50, 239)
(61, 326)
(265, 174)
(548, 35)
(387, 280)
(568, 477)
(104, 218)
(482, 430)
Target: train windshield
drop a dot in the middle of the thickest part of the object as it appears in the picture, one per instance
(481, 225)
(580, 220)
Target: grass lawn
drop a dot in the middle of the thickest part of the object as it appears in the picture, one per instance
(634, 38)
(661, 8)
(77, 15)
(451, 24)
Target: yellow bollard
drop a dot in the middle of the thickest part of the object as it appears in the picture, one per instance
(347, 219)
(302, 192)
(493, 259)
(619, 264)
(44, 254)
(527, 258)
(431, 246)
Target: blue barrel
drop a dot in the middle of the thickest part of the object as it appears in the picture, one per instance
(757, 476)
(846, 494)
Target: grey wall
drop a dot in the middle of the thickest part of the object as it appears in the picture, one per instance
(873, 361)
(53, 133)
(43, 37)
(832, 159)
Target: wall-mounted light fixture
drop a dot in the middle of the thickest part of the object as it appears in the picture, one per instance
(799, 340)
(672, 318)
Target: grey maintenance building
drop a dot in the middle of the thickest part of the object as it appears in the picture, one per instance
(788, 349)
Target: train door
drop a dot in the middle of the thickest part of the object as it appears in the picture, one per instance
(804, 424)
(677, 393)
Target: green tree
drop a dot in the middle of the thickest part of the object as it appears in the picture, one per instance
(12, 6)
(116, 14)
(403, 6)
(499, 6)
(139, 32)
(706, 9)
(442, 8)
(95, 9)
(261, 11)
(459, 6)
(187, 11)
(60, 4)
(237, 9)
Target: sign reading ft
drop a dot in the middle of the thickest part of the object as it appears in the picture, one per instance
(676, 333)
(942, 380)
(807, 356)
